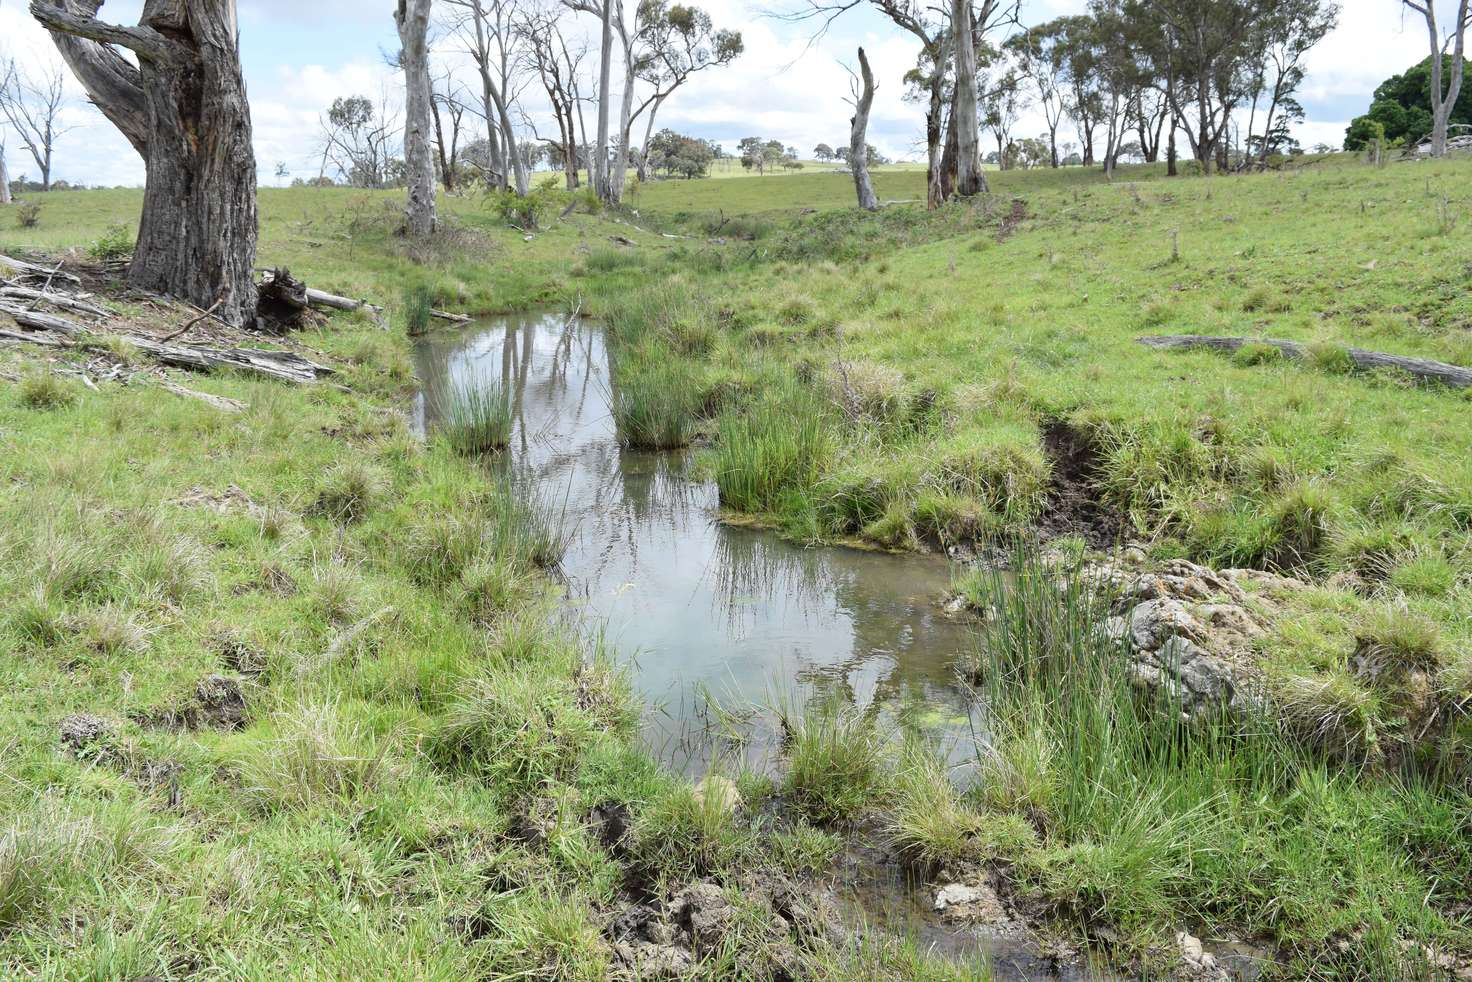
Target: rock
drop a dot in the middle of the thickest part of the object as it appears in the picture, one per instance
(719, 790)
(956, 893)
(86, 735)
(1153, 622)
(1196, 961)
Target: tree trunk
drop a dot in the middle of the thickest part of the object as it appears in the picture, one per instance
(197, 235)
(969, 179)
(648, 135)
(605, 98)
(447, 169)
(412, 20)
(4, 180)
(1172, 169)
(948, 154)
(935, 194)
(626, 109)
(858, 140)
(1444, 101)
(1423, 369)
(513, 152)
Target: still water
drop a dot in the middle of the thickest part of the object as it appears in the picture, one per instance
(719, 625)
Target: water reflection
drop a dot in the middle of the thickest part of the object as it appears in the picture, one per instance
(718, 623)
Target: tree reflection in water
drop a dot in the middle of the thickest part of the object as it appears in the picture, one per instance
(717, 623)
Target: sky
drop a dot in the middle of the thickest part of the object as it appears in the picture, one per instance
(300, 54)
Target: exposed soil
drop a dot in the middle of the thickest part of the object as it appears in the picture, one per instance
(1075, 504)
(218, 704)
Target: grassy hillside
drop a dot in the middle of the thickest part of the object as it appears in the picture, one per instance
(417, 775)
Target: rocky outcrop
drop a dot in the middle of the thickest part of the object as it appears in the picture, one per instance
(1191, 629)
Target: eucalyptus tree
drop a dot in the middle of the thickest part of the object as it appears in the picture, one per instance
(557, 66)
(1446, 86)
(33, 106)
(488, 29)
(679, 41)
(858, 143)
(933, 25)
(183, 107)
(4, 178)
(1204, 50)
(1040, 56)
(1285, 35)
(411, 17)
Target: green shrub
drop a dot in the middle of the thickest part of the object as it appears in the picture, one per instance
(115, 243)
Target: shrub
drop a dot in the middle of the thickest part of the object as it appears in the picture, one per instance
(115, 243)
(28, 214)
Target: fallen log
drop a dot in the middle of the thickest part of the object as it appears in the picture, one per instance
(1424, 369)
(41, 272)
(42, 322)
(55, 299)
(283, 365)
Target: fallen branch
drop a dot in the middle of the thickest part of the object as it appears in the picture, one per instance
(1421, 368)
(204, 316)
(42, 322)
(31, 269)
(321, 298)
(60, 300)
(283, 365)
(219, 402)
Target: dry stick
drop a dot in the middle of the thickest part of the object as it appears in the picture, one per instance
(183, 330)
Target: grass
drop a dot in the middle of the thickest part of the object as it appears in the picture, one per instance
(424, 750)
(474, 415)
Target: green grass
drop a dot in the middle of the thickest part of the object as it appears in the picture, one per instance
(474, 415)
(423, 749)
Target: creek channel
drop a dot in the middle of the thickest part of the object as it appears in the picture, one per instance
(720, 626)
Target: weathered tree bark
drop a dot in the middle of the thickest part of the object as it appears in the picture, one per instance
(4, 179)
(969, 179)
(858, 141)
(1422, 368)
(935, 193)
(412, 19)
(184, 108)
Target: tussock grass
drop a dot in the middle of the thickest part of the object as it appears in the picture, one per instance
(657, 398)
(773, 449)
(317, 754)
(682, 836)
(45, 390)
(835, 762)
(474, 415)
(348, 491)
